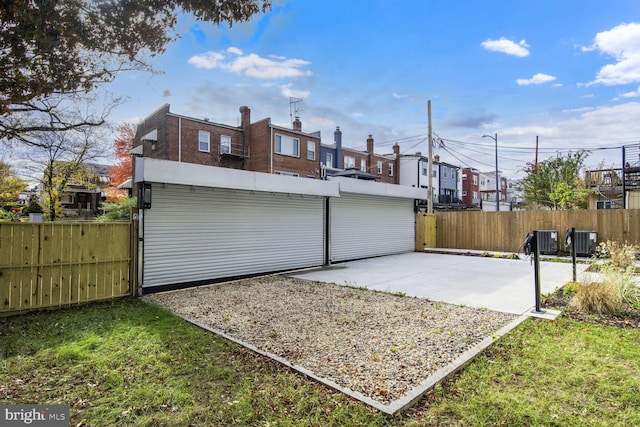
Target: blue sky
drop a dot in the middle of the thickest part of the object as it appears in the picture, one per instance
(565, 71)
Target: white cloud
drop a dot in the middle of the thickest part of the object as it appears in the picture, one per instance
(234, 50)
(537, 79)
(623, 43)
(507, 46)
(251, 65)
(398, 96)
(633, 94)
(291, 93)
(207, 60)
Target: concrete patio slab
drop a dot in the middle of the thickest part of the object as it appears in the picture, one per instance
(494, 283)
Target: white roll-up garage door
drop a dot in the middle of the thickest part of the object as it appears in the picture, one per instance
(364, 226)
(195, 234)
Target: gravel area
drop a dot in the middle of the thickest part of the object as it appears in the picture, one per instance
(378, 344)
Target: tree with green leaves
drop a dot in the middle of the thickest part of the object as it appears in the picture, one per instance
(56, 49)
(556, 183)
(10, 184)
(63, 158)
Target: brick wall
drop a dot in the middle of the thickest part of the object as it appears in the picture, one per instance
(157, 120)
(299, 164)
(259, 159)
(185, 146)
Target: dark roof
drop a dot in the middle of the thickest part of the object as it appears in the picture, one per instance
(356, 173)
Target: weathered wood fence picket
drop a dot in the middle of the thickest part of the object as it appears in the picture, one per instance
(55, 264)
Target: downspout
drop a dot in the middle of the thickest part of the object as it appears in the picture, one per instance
(179, 139)
(327, 231)
(271, 152)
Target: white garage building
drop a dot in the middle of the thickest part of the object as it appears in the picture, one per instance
(205, 223)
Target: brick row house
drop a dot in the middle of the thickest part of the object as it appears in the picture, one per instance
(337, 160)
(259, 147)
(470, 183)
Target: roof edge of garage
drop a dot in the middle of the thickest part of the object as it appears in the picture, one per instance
(359, 186)
(171, 172)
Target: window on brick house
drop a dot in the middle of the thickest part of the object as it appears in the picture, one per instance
(349, 162)
(380, 164)
(225, 144)
(363, 165)
(475, 180)
(329, 162)
(390, 169)
(203, 141)
(287, 145)
(311, 150)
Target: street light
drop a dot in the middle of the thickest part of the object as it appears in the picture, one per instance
(495, 138)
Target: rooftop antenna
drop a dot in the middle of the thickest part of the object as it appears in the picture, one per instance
(294, 109)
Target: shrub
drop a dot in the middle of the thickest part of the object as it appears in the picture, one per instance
(625, 282)
(612, 291)
(120, 211)
(597, 298)
(622, 255)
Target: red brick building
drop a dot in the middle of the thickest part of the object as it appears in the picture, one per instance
(470, 188)
(258, 147)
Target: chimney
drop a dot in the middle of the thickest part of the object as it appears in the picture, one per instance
(297, 124)
(245, 123)
(370, 144)
(436, 158)
(396, 173)
(337, 138)
(418, 154)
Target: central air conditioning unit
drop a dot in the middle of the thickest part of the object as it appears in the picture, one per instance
(548, 242)
(586, 242)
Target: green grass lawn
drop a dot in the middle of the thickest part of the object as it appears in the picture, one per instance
(130, 363)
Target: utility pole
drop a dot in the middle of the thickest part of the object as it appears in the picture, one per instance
(535, 165)
(430, 162)
(495, 138)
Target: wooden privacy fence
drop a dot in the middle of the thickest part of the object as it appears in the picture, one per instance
(505, 231)
(59, 264)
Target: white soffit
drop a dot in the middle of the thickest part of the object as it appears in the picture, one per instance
(170, 172)
(361, 186)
